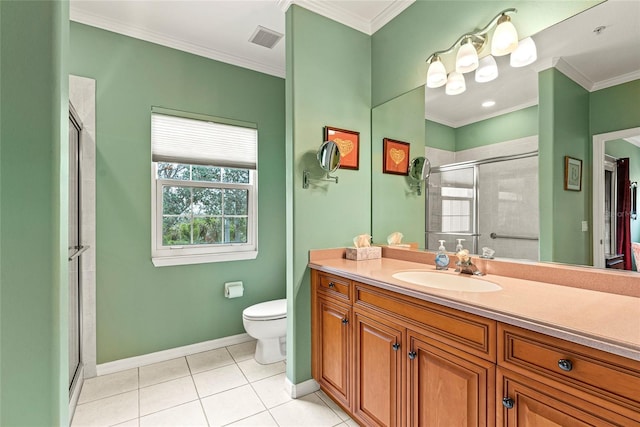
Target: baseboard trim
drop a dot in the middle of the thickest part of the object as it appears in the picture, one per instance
(172, 353)
(301, 389)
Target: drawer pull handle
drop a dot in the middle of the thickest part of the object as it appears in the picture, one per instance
(508, 402)
(412, 355)
(332, 285)
(345, 321)
(396, 347)
(565, 364)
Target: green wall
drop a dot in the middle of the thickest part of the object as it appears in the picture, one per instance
(394, 205)
(400, 48)
(33, 204)
(621, 149)
(563, 131)
(439, 136)
(328, 83)
(141, 308)
(615, 108)
(507, 127)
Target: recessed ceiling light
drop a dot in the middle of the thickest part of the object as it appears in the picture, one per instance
(488, 104)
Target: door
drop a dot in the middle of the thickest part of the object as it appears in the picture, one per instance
(75, 250)
(527, 403)
(448, 387)
(378, 371)
(334, 354)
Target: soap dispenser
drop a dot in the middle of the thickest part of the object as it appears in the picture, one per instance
(459, 245)
(442, 259)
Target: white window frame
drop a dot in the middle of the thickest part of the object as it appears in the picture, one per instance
(206, 253)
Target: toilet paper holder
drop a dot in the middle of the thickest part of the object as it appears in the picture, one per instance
(233, 289)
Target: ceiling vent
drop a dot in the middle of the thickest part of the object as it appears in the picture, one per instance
(265, 37)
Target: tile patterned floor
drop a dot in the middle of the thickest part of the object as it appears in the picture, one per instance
(222, 387)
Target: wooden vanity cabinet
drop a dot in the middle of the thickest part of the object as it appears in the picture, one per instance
(331, 346)
(543, 380)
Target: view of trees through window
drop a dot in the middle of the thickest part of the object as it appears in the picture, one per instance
(212, 212)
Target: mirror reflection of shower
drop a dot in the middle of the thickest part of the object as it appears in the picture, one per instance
(490, 203)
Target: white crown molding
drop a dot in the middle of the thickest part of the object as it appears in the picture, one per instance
(565, 68)
(348, 18)
(93, 20)
(468, 121)
(614, 81)
(393, 10)
(635, 140)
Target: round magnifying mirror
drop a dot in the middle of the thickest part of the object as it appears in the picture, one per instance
(329, 156)
(419, 169)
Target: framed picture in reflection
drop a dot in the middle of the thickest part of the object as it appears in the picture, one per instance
(572, 174)
(395, 157)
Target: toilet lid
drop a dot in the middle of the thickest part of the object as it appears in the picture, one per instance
(270, 310)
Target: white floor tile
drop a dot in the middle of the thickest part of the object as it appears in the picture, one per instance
(263, 419)
(219, 380)
(207, 360)
(272, 390)
(163, 371)
(333, 405)
(243, 351)
(166, 395)
(108, 385)
(350, 423)
(309, 410)
(190, 414)
(233, 405)
(255, 371)
(130, 423)
(108, 411)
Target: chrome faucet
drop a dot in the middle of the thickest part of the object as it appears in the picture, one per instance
(464, 264)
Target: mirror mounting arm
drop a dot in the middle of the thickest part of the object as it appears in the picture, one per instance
(306, 179)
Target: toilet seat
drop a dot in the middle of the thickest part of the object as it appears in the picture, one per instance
(270, 310)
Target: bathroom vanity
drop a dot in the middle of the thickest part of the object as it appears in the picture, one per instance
(395, 353)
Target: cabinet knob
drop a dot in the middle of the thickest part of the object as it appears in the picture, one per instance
(332, 285)
(412, 355)
(565, 364)
(345, 321)
(507, 402)
(396, 346)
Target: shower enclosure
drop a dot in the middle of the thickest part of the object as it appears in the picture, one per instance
(489, 203)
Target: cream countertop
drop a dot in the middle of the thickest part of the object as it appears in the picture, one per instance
(600, 320)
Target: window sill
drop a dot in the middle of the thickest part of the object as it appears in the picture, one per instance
(165, 261)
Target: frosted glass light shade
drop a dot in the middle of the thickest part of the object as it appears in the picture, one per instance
(467, 58)
(487, 69)
(455, 84)
(436, 74)
(525, 54)
(505, 37)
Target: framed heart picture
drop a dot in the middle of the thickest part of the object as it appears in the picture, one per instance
(348, 143)
(395, 158)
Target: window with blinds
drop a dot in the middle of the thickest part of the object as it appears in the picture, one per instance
(204, 195)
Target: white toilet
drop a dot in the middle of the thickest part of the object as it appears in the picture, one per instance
(267, 322)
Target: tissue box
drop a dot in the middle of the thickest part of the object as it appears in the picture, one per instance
(360, 254)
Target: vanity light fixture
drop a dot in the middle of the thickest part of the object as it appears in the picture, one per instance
(504, 40)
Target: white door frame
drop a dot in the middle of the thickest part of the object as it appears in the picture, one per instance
(598, 189)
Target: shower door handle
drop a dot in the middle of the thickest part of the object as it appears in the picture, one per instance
(79, 251)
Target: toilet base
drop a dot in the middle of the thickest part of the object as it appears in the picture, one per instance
(269, 350)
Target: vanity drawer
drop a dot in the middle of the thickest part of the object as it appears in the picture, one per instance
(473, 334)
(334, 285)
(583, 369)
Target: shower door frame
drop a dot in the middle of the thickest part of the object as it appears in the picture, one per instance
(475, 221)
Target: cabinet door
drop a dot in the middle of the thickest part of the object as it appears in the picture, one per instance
(333, 349)
(523, 402)
(378, 371)
(448, 387)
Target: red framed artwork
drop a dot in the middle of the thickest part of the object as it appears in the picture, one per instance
(348, 142)
(396, 157)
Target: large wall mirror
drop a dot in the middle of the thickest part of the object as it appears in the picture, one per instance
(491, 165)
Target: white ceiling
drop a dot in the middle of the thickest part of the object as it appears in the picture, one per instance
(220, 30)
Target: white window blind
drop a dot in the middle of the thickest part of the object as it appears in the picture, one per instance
(198, 142)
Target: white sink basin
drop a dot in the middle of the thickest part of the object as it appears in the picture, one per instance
(445, 281)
